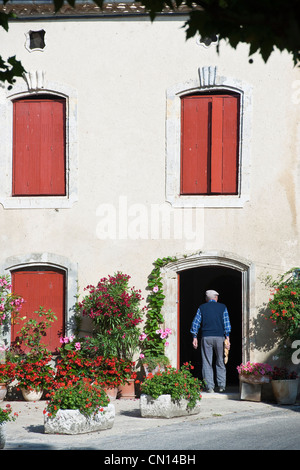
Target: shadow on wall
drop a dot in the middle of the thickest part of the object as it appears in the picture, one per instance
(264, 338)
(261, 332)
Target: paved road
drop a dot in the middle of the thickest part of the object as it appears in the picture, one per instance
(277, 430)
(224, 422)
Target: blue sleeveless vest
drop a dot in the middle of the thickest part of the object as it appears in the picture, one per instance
(212, 323)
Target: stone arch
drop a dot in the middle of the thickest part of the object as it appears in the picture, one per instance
(170, 274)
(49, 260)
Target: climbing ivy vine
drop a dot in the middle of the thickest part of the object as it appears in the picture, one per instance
(154, 337)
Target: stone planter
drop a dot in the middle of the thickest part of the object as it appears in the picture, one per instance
(285, 391)
(165, 407)
(254, 379)
(2, 435)
(73, 422)
(31, 395)
(251, 386)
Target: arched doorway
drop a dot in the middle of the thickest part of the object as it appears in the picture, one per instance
(192, 286)
(185, 282)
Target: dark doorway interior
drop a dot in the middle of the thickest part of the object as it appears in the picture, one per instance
(193, 284)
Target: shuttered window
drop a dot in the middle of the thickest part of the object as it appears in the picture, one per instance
(209, 144)
(44, 288)
(39, 147)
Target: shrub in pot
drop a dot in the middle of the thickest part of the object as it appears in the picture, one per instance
(115, 311)
(178, 384)
(78, 407)
(79, 358)
(7, 375)
(5, 416)
(255, 372)
(284, 310)
(33, 369)
(154, 364)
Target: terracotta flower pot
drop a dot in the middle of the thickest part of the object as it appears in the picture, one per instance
(127, 390)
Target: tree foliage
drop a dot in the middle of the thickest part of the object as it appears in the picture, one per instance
(262, 24)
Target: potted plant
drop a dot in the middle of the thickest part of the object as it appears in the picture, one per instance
(252, 376)
(10, 303)
(7, 374)
(154, 364)
(78, 408)
(72, 364)
(284, 309)
(33, 371)
(35, 375)
(5, 416)
(115, 310)
(255, 372)
(284, 385)
(78, 358)
(173, 392)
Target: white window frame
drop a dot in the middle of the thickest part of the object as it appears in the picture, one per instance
(208, 81)
(34, 84)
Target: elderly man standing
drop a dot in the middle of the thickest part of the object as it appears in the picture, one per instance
(213, 320)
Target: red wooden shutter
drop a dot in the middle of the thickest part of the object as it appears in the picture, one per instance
(41, 288)
(195, 144)
(230, 144)
(224, 145)
(209, 144)
(39, 147)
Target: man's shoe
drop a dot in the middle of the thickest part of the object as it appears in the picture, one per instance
(209, 390)
(221, 390)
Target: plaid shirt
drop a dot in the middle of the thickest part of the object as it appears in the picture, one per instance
(197, 322)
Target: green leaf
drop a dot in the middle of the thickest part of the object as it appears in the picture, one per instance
(4, 17)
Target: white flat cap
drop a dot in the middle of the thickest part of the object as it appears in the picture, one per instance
(211, 293)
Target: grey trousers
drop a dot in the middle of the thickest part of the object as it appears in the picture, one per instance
(209, 345)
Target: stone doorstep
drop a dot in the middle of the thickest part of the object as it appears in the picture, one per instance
(165, 407)
(73, 422)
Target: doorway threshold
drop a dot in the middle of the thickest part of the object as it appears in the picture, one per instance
(231, 393)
